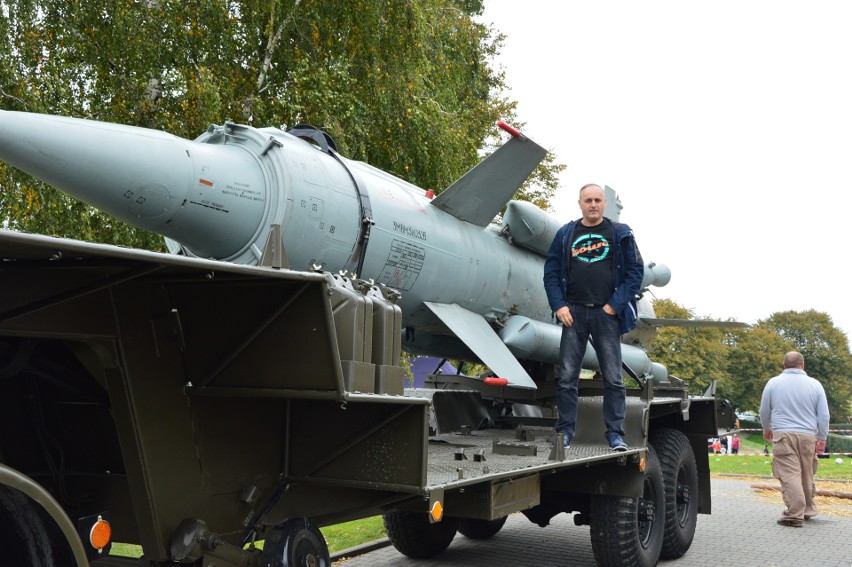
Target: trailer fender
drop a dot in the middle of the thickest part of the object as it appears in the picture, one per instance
(23, 494)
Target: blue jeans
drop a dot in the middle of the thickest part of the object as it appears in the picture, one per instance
(603, 329)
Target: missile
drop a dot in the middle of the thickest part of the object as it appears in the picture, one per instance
(470, 288)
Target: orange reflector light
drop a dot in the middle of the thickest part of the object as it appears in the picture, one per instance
(100, 534)
(642, 464)
(437, 511)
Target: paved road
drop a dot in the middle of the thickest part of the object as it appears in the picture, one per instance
(740, 532)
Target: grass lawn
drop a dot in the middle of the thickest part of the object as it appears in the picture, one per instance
(750, 464)
(758, 465)
(350, 534)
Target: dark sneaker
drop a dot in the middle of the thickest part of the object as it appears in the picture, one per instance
(616, 443)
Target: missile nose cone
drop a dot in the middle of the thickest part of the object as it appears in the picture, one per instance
(88, 160)
(147, 178)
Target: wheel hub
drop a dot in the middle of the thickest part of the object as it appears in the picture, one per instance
(647, 511)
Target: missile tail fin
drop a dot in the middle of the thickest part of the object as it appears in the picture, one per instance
(483, 191)
(477, 334)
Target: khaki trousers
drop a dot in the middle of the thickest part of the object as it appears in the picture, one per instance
(794, 463)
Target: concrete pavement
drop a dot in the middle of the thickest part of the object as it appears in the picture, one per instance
(740, 532)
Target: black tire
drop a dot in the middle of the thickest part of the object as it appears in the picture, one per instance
(680, 473)
(295, 543)
(413, 535)
(30, 536)
(480, 529)
(629, 531)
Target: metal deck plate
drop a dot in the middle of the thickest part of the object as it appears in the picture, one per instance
(445, 469)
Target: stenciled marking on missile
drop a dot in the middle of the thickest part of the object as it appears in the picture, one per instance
(403, 266)
(215, 206)
(242, 191)
(409, 231)
(315, 207)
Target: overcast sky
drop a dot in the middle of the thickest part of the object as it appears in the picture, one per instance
(725, 127)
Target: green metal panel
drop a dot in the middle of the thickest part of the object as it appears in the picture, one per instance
(376, 445)
(493, 500)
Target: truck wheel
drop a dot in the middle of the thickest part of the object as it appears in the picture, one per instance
(629, 531)
(29, 536)
(681, 477)
(295, 543)
(480, 529)
(412, 534)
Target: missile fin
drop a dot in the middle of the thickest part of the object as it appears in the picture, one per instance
(688, 323)
(612, 211)
(483, 191)
(477, 334)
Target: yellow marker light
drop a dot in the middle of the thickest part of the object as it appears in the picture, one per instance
(437, 511)
(100, 534)
(642, 464)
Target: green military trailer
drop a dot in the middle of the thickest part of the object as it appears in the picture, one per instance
(196, 407)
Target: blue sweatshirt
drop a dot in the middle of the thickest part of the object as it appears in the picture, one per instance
(628, 270)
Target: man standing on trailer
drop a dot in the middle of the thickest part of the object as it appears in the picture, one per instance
(592, 274)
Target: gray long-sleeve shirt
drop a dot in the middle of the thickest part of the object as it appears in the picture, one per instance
(793, 401)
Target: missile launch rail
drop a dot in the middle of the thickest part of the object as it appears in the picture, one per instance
(198, 406)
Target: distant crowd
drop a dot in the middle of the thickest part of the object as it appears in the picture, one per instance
(719, 445)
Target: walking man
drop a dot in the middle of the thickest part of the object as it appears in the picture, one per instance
(794, 414)
(592, 274)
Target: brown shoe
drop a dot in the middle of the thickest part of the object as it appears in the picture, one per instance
(809, 517)
(790, 522)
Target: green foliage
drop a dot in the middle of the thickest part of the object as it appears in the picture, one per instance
(408, 87)
(826, 352)
(539, 188)
(837, 443)
(755, 356)
(697, 355)
(743, 360)
(406, 360)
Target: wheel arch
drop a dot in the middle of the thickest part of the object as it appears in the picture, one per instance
(35, 498)
(698, 423)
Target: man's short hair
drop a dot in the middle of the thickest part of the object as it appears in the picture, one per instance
(794, 359)
(587, 185)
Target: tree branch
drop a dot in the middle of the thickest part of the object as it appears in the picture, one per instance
(273, 44)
